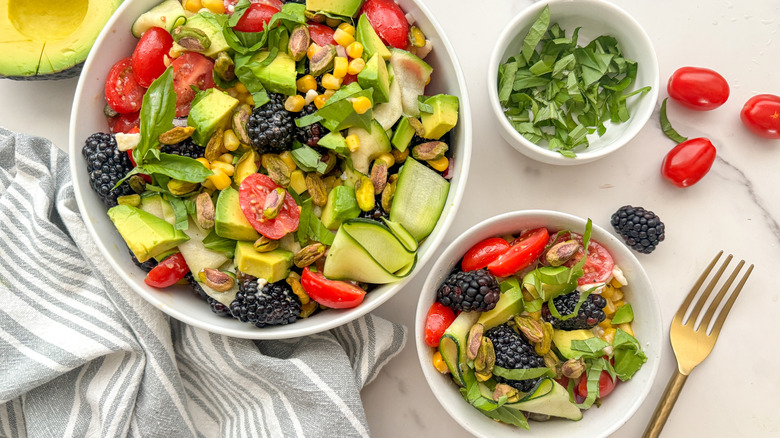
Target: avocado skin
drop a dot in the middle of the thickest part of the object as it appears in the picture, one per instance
(68, 73)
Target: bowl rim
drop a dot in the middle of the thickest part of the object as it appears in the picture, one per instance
(481, 230)
(288, 331)
(538, 152)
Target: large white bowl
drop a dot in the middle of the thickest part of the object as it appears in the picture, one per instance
(116, 42)
(620, 405)
(595, 17)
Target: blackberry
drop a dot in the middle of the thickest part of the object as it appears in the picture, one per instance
(186, 148)
(310, 135)
(641, 229)
(145, 266)
(263, 304)
(514, 352)
(466, 291)
(106, 166)
(376, 213)
(216, 307)
(271, 126)
(590, 314)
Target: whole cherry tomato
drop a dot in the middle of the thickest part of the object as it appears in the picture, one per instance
(321, 34)
(123, 92)
(523, 251)
(483, 253)
(149, 55)
(257, 15)
(698, 88)
(252, 195)
(190, 69)
(168, 272)
(688, 162)
(331, 293)
(761, 114)
(389, 22)
(606, 385)
(439, 318)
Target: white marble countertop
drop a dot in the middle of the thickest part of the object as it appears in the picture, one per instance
(734, 393)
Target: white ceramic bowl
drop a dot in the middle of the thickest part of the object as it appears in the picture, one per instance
(116, 42)
(595, 17)
(620, 405)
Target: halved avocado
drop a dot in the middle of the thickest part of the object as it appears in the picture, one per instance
(49, 39)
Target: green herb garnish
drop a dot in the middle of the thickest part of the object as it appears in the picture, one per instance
(623, 314)
(666, 125)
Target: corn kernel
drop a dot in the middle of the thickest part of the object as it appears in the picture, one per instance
(204, 162)
(176, 51)
(328, 93)
(355, 50)
(294, 103)
(343, 38)
(607, 323)
(331, 82)
(356, 66)
(610, 308)
(616, 284)
(249, 100)
(348, 28)
(626, 327)
(230, 140)
(428, 81)
(219, 180)
(353, 142)
(609, 334)
(298, 181)
(340, 65)
(241, 88)
(310, 95)
(215, 6)
(361, 104)
(608, 291)
(286, 156)
(225, 168)
(193, 5)
(388, 158)
(226, 158)
(306, 83)
(319, 101)
(313, 47)
(441, 164)
(439, 363)
(617, 295)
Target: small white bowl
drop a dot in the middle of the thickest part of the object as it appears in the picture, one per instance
(595, 17)
(116, 42)
(620, 405)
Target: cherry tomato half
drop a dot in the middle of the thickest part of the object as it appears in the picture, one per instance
(252, 196)
(168, 272)
(389, 22)
(439, 318)
(606, 385)
(523, 251)
(331, 293)
(688, 162)
(124, 122)
(149, 55)
(123, 92)
(483, 253)
(255, 17)
(761, 114)
(698, 88)
(321, 34)
(190, 69)
(598, 266)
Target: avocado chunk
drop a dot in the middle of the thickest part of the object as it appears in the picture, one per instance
(39, 41)
(209, 113)
(562, 340)
(271, 266)
(205, 22)
(146, 235)
(443, 118)
(418, 210)
(344, 8)
(167, 15)
(341, 205)
(374, 75)
(403, 135)
(367, 36)
(278, 76)
(248, 164)
(509, 304)
(229, 219)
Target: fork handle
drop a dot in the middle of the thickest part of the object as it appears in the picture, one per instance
(665, 405)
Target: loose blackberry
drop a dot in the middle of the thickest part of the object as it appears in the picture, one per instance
(310, 135)
(466, 291)
(641, 229)
(106, 166)
(186, 148)
(514, 352)
(145, 266)
(590, 314)
(271, 127)
(376, 213)
(263, 304)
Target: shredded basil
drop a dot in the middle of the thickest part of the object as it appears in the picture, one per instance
(623, 314)
(666, 126)
(158, 109)
(522, 373)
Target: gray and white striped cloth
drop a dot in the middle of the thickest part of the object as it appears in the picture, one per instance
(83, 355)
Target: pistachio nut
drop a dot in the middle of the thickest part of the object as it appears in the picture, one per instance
(299, 42)
(543, 347)
(573, 368)
(224, 66)
(191, 38)
(308, 308)
(277, 169)
(561, 252)
(474, 340)
(432, 150)
(379, 175)
(180, 188)
(387, 195)
(294, 280)
(419, 129)
(274, 202)
(133, 200)
(214, 146)
(137, 183)
(240, 119)
(552, 362)
(364, 192)
(109, 112)
(176, 135)
(530, 328)
(485, 360)
(331, 160)
(322, 60)
(204, 211)
(400, 156)
(502, 389)
(264, 244)
(216, 279)
(309, 254)
(317, 190)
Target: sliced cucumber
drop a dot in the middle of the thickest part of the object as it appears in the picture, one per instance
(453, 344)
(196, 255)
(419, 199)
(380, 242)
(402, 234)
(388, 113)
(552, 401)
(373, 143)
(167, 15)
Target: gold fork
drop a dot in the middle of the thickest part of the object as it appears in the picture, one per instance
(691, 342)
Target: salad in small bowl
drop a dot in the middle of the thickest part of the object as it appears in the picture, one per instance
(542, 320)
(269, 169)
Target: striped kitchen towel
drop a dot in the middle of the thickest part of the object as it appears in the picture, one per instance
(83, 355)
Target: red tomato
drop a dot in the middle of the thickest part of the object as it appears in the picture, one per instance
(389, 22)
(331, 293)
(348, 79)
(168, 272)
(124, 122)
(761, 114)
(149, 55)
(252, 195)
(439, 318)
(688, 162)
(483, 253)
(697, 88)
(123, 92)
(606, 385)
(321, 34)
(190, 69)
(598, 266)
(523, 251)
(257, 15)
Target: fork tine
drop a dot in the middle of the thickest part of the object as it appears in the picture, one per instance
(707, 291)
(727, 307)
(705, 321)
(678, 317)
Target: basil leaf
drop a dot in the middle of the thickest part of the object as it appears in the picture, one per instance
(554, 311)
(509, 416)
(623, 315)
(318, 232)
(177, 167)
(592, 347)
(179, 211)
(535, 34)
(308, 159)
(506, 78)
(226, 247)
(422, 106)
(594, 374)
(628, 355)
(238, 12)
(158, 109)
(666, 126)
(522, 373)
(303, 221)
